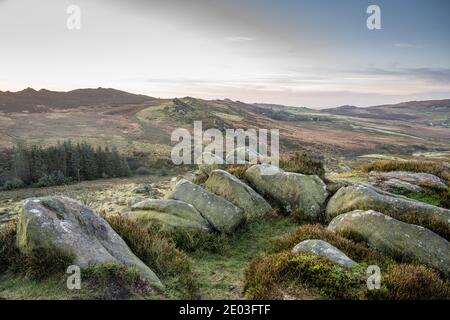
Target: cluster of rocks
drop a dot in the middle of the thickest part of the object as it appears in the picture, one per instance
(224, 202)
(367, 212)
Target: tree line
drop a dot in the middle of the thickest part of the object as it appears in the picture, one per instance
(64, 162)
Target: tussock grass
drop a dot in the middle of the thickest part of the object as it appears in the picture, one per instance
(436, 168)
(305, 163)
(158, 253)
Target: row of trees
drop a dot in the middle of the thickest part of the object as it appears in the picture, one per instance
(67, 160)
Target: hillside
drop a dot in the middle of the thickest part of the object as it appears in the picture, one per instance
(430, 112)
(31, 100)
(141, 125)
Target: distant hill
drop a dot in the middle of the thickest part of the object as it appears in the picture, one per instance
(38, 101)
(405, 111)
(141, 126)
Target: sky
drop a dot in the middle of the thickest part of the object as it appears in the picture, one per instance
(302, 53)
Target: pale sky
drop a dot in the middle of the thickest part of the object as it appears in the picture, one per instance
(303, 53)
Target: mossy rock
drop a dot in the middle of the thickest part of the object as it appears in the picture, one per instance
(219, 212)
(65, 225)
(237, 192)
(403, 241)
(298, 194)
(363, 197)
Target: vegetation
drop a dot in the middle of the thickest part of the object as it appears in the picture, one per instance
(356, 251)
(280, 273)
(61, 163)
(437, 168)
(305, 163)
(158, 253)
(238, 170)
(411, 282)
(269, 275)
(114, 282)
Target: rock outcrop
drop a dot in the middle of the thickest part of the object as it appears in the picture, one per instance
(409, 179)
(395, 238)
(362, 197)
(63, 224)
(237, 192)
(302, 195)
(168, 214)
(323, 248)
(220, 213)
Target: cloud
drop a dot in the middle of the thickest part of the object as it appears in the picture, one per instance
(435, 75)
(240, 39)
(408, 45)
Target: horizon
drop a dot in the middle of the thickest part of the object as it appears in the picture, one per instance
(222, 99)
(298, 53)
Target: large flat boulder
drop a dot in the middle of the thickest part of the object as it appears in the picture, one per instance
(323, 248)
(363, 197)
(418, 179)
(219, 212)
(63, 224)
(237, 192)
(302, 195)
(168, 214)
(395, 238)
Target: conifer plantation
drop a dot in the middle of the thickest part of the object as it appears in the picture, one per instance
(64, 162)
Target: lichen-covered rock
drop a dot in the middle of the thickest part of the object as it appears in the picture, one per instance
(323, 248)
(395, 238)
(63, 224)
(220, 213)
(237, 192)
(419, 179)
(395, 185)
(303, 195)
(363, 197)
(168, 214)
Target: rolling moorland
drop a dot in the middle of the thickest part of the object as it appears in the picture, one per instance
(232, 266)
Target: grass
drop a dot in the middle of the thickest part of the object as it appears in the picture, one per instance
(434, 199)
(221, 275)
